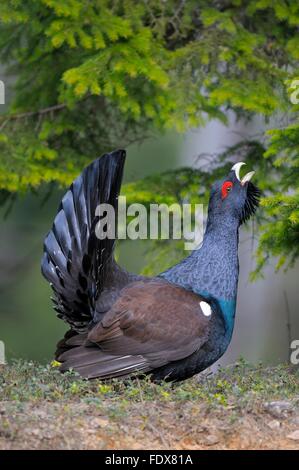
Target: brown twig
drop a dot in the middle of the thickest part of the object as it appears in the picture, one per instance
(158, 433)
(39, 113)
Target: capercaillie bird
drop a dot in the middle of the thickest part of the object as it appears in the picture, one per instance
(171, 326)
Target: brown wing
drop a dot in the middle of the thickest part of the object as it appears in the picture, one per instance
(151, 324)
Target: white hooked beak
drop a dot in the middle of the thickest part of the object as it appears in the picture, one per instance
(246, 178)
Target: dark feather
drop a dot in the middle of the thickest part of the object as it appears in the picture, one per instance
(136, 334)
(74, 256)
(251, 203)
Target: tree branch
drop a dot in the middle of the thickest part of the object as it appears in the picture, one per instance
(50, 109)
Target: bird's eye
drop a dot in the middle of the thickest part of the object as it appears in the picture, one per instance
(226, 188)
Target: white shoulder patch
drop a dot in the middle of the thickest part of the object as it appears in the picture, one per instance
(206, 309)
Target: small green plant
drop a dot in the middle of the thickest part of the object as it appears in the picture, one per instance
(23, 381)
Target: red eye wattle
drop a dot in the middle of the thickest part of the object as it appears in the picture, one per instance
(226, 188)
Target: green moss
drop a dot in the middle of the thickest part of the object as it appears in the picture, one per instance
(240, 384)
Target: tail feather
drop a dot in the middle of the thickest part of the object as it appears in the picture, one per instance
(63, 345)
(91, 362)
(75, 260)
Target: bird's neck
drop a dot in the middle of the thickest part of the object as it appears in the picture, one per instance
(213, 269)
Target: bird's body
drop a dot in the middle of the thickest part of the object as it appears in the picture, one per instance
(171, 326)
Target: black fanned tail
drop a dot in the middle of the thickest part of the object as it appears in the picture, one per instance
(75, 260)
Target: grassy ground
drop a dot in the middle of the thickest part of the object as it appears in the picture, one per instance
(239, 407)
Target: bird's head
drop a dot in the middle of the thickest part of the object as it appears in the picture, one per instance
(233, 197)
